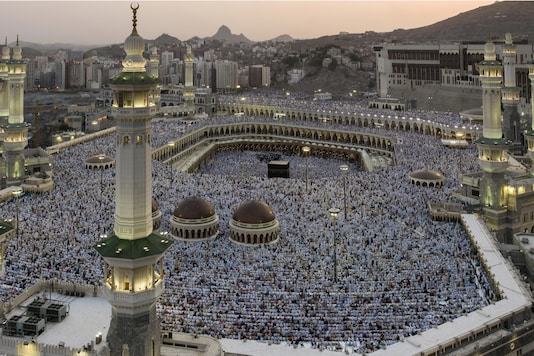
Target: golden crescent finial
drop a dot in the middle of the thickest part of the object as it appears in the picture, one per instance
(134, 6)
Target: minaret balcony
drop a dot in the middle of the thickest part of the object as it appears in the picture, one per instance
(15, 145)
(130, 302)
(493, 166)
(134, 113)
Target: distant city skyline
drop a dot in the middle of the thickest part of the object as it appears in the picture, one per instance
(103, 22)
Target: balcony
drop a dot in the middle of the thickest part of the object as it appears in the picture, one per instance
(131, 302)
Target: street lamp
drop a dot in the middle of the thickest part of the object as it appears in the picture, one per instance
(306, 152)
(171, 146)
(344, 168)
(334, 212)
(101, 158)
(16, 193)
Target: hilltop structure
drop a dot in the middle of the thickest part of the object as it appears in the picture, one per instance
(444, 77)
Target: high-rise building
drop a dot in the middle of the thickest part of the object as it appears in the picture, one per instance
(75, 74)
(226, 75)
(133, 253)
(259, 76)
(167, 57)
(60, 75)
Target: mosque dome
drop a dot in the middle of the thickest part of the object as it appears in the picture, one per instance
(253, 212)
(194, 219)
(156, 215)
(508, 38)
(17, 51)
(194, 208)
(5, 52)
(427, 178)
(426, 174)
(134, 46)
(254, 223)
(489, 49)
(99, 161)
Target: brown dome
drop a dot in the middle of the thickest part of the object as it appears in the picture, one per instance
(100, 159)
(194, 208)
(424, 174)
(253, 212)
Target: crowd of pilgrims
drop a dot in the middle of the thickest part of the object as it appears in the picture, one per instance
(398, 271)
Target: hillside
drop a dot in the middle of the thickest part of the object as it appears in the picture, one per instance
(475, 25)
(495, 20)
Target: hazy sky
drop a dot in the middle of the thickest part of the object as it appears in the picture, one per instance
(107, 22)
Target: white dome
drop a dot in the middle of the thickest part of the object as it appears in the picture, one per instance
(134, 46)
(5, 51)
(489, 48)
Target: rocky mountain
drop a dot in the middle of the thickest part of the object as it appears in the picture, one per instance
(283, 38)
(495, 19)
(50, 48)
(475, 25)
(224, 34)
(166, 40)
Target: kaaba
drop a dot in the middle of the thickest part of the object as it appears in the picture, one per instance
(278, 169)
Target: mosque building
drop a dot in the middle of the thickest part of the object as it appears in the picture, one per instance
(503, 189)
(133, 253)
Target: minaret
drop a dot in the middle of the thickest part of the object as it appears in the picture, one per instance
(4, 98)
(16, 130)
(492, 147)
(529, 134)
(153, 63)
(133, 254)
(189, 88)
(4, 87)
(510, 92)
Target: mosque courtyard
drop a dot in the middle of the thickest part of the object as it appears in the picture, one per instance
(398, 272)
